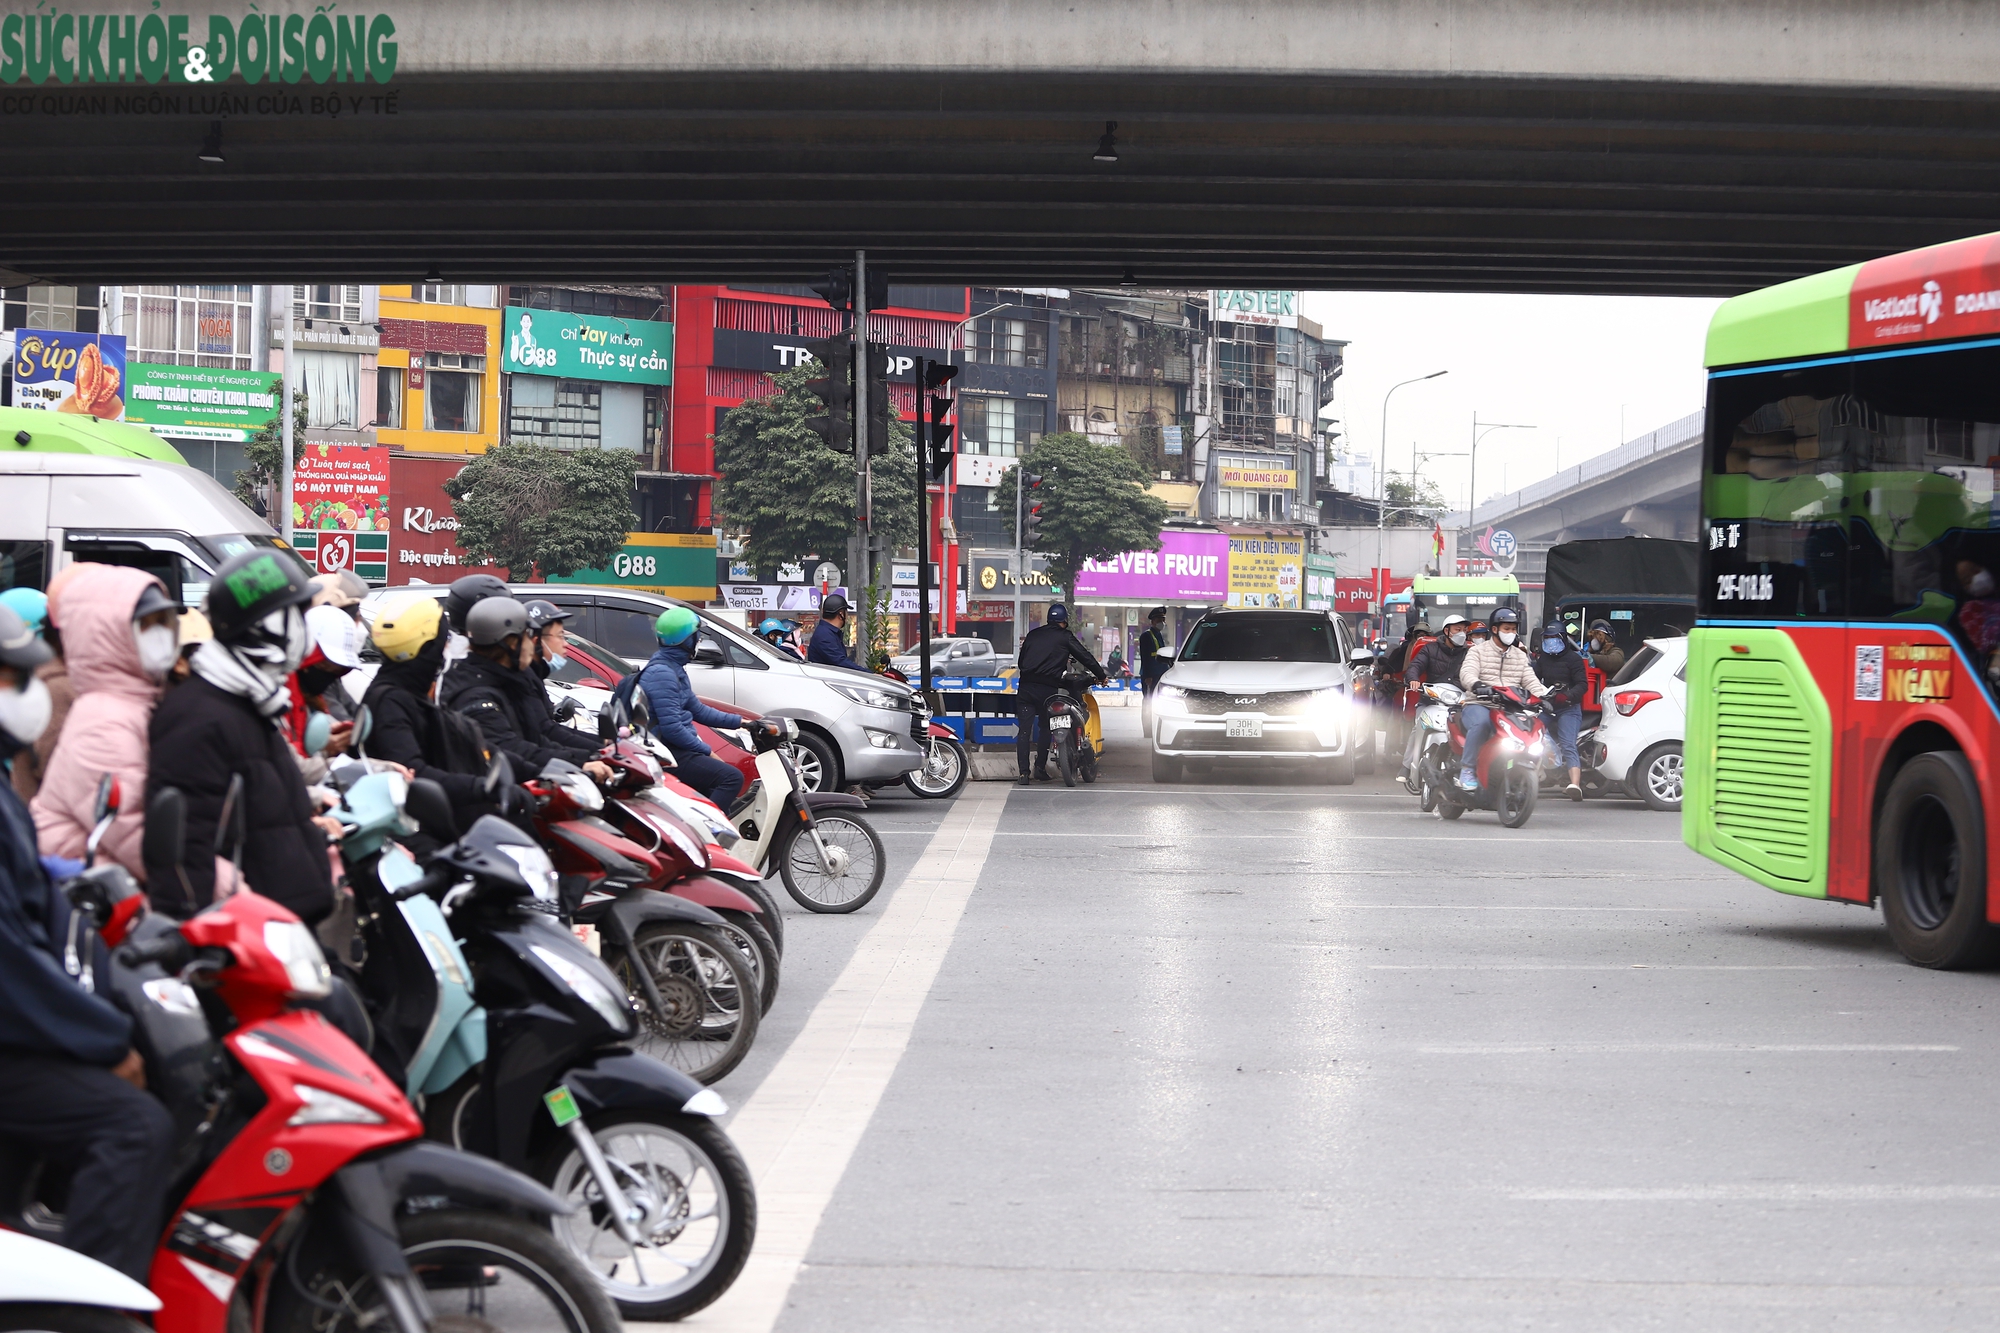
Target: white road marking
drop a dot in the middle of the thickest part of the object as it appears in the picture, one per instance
(1316, 834)
(801, 1126)
(1771, 1193)
(1598, 967)
(1671, 1048)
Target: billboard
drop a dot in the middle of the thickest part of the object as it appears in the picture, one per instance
(59, 371)
(426, 548)
(197, 403)
(341, 510)
(587, 347)
(1266, 571)
(675, 564)
(1189, 567)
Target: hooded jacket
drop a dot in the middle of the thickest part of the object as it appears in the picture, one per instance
(1564, 674)
(511, 710)
(676, 707)
(107, 724)
(410, 730)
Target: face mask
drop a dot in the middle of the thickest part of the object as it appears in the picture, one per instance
(557, 661)
(1458, 641)
(158, 648)
(1981, 585)
(456, 648)
(1552, 645)
(24, 713)
(1507, 637)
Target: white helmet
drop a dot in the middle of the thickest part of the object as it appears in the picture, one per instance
(1449, 621)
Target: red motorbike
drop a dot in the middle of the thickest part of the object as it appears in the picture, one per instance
(1508, 765)
(945, 768)
(304, 1198)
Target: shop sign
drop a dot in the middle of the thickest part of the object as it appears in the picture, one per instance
(989, 611)
(1321, 584)
(587, 347)
(329, 552)
(426, 529)
(184, 49)
(1188, 567)
(903, 574)
(59, 371)
(1171, 436)
(325, 335)
(674, 564)
(792, 573)
(773, 596)
(197, 403)
(742, 571)
(1356, 596)
(1256, 476)
(994, 574)
(1240, 307)
(340, 509)
(1266, 571)
(903, 601)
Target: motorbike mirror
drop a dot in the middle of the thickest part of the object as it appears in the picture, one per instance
(431, 808)
(166, 828)
(364, 726)
(607, 722)
(568, 708)
(642, 711)
(319, 730)
(1360, 655)
(108, 798)
(499, 773)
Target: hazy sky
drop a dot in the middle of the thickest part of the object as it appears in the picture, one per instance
(1566, 365)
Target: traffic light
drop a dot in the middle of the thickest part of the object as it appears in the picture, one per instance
(835, 388)
(1032, 504)
(936, 374)
(880, 412)
(837, 288)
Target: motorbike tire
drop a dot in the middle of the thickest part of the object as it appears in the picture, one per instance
(1427, 795)
(706, 1147)
(1066, 756)
(438, 1244)
(710, 994)
(1448, 808)
(1515, 802)
(772, 920)
(758, 949)
(45, 1317)
(799, 876)
(944, 772)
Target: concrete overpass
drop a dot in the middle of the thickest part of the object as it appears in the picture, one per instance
(1650, 146)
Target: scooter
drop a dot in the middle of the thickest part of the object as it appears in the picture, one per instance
(664, 1209)
(1075, 733)
(945, 769)
(56, 1290)
(1507, 767)
(1432, 724)
(829, 858)
(302, 1198)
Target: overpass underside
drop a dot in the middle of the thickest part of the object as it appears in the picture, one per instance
(1232, 180)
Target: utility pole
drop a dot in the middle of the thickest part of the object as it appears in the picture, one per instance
(1472, 480)
(861, 569)
(1382, 490)
(285, 528)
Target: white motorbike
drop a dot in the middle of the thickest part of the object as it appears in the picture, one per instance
(828, 856)
(1432, 728)
(46, 1287)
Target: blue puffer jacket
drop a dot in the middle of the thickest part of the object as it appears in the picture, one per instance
(829, 649)
(675, 706)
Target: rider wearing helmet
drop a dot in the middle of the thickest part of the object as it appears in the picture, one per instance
(1560, 667)
(1500, 663)
(778, 633)
(1046, 651)
(1438, 660)
(829, 637)
(676, 708)
(1602, 648)
(494, 688)
(550, 655)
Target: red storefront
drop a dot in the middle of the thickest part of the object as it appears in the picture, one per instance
(422, 530)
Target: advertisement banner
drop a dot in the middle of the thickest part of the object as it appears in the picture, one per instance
(426, 548)
(674, 564)
(1189, 567)
(1262, 307)
(341, 509)
(798, 597)
(587, 347)
(83, 373)
(1322, 587)
(1357, 595)
(197, 403)
(1256, 476)
(1266, 571)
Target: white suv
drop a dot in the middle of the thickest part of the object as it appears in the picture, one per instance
(1638, 742)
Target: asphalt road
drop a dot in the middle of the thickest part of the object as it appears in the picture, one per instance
(1252, 1054)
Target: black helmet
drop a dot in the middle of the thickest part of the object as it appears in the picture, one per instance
(1058, 614)
(251, 585)
(1506, 615)
(834, 605)
(465, 592)
(1157, 613)
(541, 614)
(492, 619)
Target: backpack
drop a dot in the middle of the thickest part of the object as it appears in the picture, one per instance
(623, 690)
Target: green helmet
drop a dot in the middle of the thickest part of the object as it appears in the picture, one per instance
(676, 624)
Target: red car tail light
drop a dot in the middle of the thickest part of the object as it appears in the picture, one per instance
(1628, 702)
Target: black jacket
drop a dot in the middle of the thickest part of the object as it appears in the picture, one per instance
(1047, 649)
(43, 1010)
(412, 731)
(558, 733)
(200, 737)
(828, 648)
(511, 711)
(1151, 664)
(1437, 661)
(1563, 673)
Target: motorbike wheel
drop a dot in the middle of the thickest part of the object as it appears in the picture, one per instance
(856, 877)
(758, 949)
(469, 1263)
(698, 1201)
(1518, 791)
(708, 996)
(1066, 756)
(42, 1317)
(1427, 794)
(771, 919)
(944, 772)
(1086, 764)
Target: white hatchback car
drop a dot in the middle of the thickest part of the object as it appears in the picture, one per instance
(1638, 742)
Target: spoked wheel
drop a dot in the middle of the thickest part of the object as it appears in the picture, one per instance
(944, 771)
(481, 1272)
(697, 1206)
(746, 931)
(853, 869)
(1066, 755)
(1518, 791)
(708, 1012)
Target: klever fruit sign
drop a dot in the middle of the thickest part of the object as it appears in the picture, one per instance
(676, 564)
(320, 47)
(587, 347)
(59, 371)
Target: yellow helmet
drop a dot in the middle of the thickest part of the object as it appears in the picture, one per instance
(404, 626)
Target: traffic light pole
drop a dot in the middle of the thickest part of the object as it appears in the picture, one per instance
(862, 568)
(1020, 489)
(923, 528)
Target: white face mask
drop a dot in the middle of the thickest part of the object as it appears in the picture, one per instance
(1981, 585)
(24, 713)
(158, 646)
(1458, 641)
(1507, 637)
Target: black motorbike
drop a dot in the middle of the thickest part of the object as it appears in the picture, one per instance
(1067, 716)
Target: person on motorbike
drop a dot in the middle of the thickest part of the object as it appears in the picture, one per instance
(75, 1087)
(1438, 660)
(829, 637)
(1046, 652)
(549, 654)
(778, 633)
(1560, 667)
(1603, 651)
(493, 687)
(676, 708)
(1498, 663)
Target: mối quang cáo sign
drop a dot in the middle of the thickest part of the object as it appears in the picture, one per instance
(51, 46)
(587, 347)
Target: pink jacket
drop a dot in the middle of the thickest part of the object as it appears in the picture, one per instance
(106, 728)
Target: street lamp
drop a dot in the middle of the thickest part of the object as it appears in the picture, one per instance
(1382, 483)
(1472, 480)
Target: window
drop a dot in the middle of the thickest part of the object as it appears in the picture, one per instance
(565, 413)
(389, 396)
(67, 309)
(1262, 637)
(1007, 342)
(207, 325)
(452, 390)
(998, 426)
(454, 293)
(329, 301)
(1251, 505)
(24, 564)
(331, 382)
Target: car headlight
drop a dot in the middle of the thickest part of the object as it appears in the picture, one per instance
(611, 1008)
(1326, 705)
(582, 790)
(304, 960)
(1169, 699)
(873, 698)
(535, 868)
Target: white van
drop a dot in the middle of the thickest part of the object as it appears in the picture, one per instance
(165, 518)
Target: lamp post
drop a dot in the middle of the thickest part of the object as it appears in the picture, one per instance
(1480, 430)
(1382, 483)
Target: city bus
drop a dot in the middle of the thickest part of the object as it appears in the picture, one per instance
(1841, 676)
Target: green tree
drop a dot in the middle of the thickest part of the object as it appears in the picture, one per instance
(1422, 494)
(532, 507)
(265, 453)
(1094, 503)
(789, 493)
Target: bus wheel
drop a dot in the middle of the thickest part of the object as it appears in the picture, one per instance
(1930, 864)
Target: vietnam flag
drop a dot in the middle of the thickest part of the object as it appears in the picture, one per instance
(1437, 541)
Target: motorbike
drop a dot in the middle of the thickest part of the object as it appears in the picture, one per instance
(1075, 731)
(536, 1071)
(46, 1287)
(945, 768)
(1432, 724)
(303, 1198)
(1507, 766)
(828, 857)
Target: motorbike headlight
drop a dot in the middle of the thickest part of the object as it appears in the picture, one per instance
(611, 1008)
(873, 698)
(304, 960)
(329, 1108)
(582, 790)
(1536, 748)
(535, 868)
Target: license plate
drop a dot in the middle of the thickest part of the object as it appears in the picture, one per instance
(1245, 726)
(1060, 723)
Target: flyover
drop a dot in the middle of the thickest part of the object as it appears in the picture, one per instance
(1650, 146)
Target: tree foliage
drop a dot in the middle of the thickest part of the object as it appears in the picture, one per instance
(1420, 495)
(532, 507)
(265, 453)
(789, 493)
(1094, 503)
